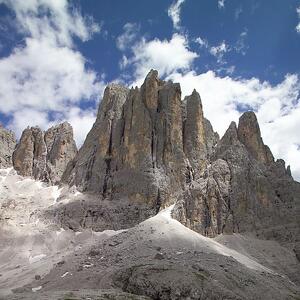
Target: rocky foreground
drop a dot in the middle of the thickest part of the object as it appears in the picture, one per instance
(190, 215)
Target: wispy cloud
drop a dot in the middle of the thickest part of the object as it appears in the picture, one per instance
(202, 42)
(241, 46)
(238, 12)
(298, 26)
(221, 4)
(174, 13)
(219, 51)
(130, 32)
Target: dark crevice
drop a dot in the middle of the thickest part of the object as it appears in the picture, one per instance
(158, 201)
(108, 162)
(153, 148)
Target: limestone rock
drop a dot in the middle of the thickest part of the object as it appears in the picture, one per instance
(44, 156)
(138, 148)
(29, 157)
(212, 137)
(195, 134)
(7, 146)
(249, 135)
(205, 206)
(149, 148)
(243, 190)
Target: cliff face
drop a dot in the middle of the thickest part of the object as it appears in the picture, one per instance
(148, 149)
(243, 189)
(145, 145)
(7, 146)
(45, 155)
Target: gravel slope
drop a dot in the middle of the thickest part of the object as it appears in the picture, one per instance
(157, 259)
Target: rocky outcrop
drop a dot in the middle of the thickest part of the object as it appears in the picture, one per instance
(61, 149)
(7, 146)
(243, 189)
(194, 137)
(249, 135)
(145, 145)
(45, 155)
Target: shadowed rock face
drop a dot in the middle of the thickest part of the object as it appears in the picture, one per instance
(7, 146)
(145, 145)
(45, 155)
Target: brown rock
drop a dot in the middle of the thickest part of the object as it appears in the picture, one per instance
(249, 135)
(44, 156)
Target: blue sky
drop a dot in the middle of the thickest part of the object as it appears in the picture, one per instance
(56, 57)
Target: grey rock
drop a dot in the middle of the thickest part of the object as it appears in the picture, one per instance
(212, 137)
(7, 146)
(243, 189)
(45, 156)
(135, 150)
(195, 134)
(61, 149)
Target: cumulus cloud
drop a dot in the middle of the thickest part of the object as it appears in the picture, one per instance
(277, 108)
(166, 56)
(46, 74)
(174, 13)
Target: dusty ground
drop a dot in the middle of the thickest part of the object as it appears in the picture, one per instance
(157, 259)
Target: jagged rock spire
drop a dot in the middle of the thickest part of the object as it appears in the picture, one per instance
(249, 134)
(156, 144)
(45, 155)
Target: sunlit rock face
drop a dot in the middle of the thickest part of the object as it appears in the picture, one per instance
(45, 155)
(7, 146)
(146, 145)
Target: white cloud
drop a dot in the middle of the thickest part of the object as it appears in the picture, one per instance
(238, 12)
(221, 4)
(46, 74)
(298, 26)
(82, 121)
(240, 45)
(174, 13)
(202, 42)
(277, 108)
(219, 51)
(125, 40)
(166, 56)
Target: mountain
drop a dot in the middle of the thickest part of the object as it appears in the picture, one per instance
(45, 155)
(154, 204)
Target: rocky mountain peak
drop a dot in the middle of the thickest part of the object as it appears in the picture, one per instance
(45, 155)
(249, 134)
(149, 150)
